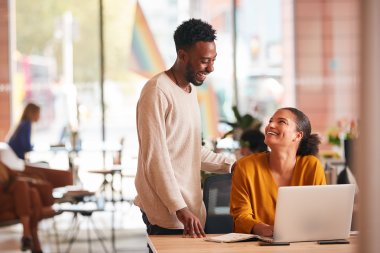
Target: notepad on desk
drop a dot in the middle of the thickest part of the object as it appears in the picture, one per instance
(237, 237)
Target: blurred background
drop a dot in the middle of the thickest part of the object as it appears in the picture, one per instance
(85, 63)
(270, 54)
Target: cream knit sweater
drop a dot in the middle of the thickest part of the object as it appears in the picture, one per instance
(171, 154)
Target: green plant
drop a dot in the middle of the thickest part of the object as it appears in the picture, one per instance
(344, 130)
(242, 122)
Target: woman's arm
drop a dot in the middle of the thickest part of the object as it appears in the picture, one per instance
(25, 132)
(320, 176)
(240, 205)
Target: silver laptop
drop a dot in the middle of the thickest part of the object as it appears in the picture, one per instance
(313, 213)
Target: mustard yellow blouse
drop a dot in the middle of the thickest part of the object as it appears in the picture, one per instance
(254, 191)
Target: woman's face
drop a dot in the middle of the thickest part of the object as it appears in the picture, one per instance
(36, 116)
(282, 130)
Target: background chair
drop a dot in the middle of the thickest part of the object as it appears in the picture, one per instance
(116, 169)
(9, 157)
(216, 196)
(58, 178)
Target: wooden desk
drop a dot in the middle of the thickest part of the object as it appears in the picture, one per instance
(176, 243)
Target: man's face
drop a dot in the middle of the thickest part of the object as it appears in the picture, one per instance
(200, 62)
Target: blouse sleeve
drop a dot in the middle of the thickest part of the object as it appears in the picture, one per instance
(311, 171)
(240, 204)
(320, 176)
(25, 133)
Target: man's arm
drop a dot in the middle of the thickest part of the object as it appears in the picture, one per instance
(214, 162)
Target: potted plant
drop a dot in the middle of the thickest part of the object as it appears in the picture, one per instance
(243, 122)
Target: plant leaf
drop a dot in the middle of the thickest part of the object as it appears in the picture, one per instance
(236, 113)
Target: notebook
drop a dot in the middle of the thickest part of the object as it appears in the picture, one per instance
(307, 213)
(237, 237)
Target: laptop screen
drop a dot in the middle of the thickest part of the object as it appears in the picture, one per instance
(311, 213)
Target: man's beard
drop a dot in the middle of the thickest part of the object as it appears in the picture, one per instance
(190, 76)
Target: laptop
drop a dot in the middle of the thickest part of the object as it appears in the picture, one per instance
(313, 213)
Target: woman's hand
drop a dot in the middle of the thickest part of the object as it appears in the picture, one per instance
(263, 230)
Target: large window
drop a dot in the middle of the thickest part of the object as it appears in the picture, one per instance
(58, 61)
(258, 60)
(58, 67)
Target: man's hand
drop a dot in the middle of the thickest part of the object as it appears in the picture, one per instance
(192, 225)
(263, 230)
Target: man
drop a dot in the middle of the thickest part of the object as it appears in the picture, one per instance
(169, 132)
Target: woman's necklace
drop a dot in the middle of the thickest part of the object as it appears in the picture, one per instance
(187, 88)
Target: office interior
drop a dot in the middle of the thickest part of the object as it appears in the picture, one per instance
(86, 62)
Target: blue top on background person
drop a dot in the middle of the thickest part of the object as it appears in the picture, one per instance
(20, 141)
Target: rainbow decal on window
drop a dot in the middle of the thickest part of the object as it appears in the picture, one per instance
(145, 58)
(209, 112)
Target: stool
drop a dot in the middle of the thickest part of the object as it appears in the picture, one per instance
(85, 211)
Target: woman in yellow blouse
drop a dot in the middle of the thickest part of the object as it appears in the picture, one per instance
(291, 162)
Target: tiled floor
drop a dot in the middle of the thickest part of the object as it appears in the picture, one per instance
(129, 232)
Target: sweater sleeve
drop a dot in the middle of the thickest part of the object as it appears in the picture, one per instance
(240, 204)
(151, 111)
(213, 162)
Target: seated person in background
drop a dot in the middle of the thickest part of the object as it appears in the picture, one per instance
(252, 141)
(42, 186)
(291, 162)
(55, 177)
(21, 200)
(20, 140)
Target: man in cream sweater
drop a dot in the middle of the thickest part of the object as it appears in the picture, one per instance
(169, 131)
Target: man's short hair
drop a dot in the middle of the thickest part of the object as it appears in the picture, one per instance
(192, 31)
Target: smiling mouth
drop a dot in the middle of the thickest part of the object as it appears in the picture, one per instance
(272, 133)
(201, 76)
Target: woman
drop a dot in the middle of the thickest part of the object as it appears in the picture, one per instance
(20, 140)
(20, 200)
(291, 162)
